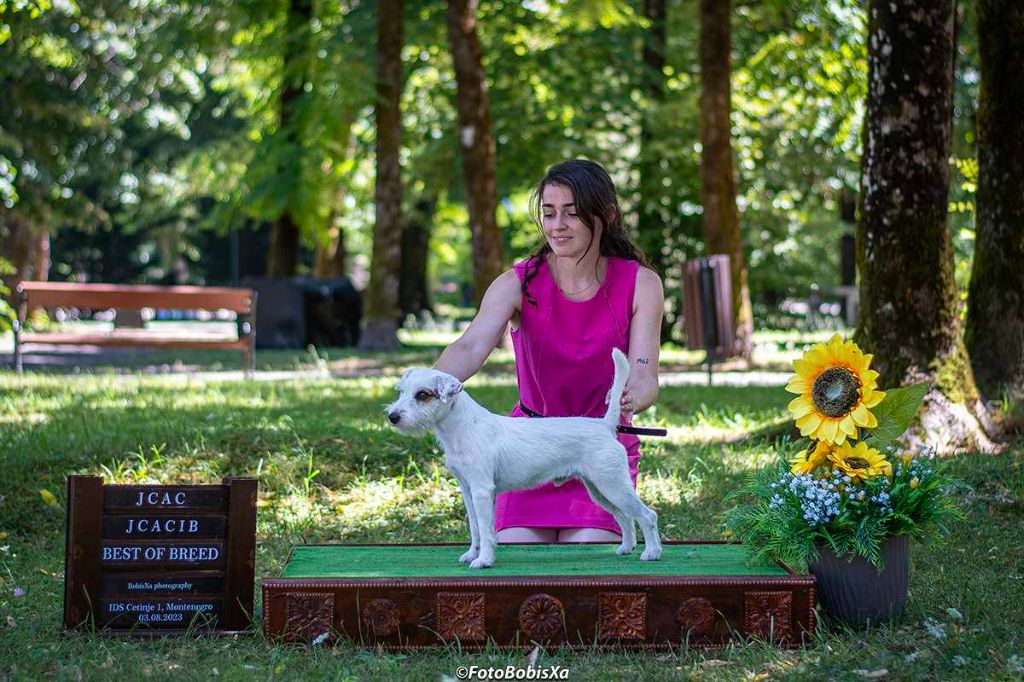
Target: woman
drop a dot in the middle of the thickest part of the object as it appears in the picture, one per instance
(586, 290)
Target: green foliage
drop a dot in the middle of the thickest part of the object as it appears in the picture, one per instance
(7, 312)
(895, 414)
(792, 515)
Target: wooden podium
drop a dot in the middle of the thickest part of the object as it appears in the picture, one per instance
(415, 596)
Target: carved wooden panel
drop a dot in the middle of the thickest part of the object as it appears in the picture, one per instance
(461, 615)
(622, 615)
(381, 617)
(308, 615)
(541, 616)
(768, 614)
(697, 615)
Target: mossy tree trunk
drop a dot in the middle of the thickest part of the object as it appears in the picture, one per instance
(721, 220)
(380, 332)
(995, 304)
(476, 143)
(909, 318)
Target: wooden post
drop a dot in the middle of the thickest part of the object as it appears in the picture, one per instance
(241, 551)
(82, 549)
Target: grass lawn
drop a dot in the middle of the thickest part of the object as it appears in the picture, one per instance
(329, 470)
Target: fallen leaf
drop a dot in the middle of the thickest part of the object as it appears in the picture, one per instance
(48, 497)
(873, 674)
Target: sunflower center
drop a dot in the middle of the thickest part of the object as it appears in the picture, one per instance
(836, 392)
(857, 463)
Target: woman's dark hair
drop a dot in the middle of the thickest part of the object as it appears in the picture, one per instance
(594, 193)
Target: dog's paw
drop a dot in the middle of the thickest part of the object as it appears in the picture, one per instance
(469, 556)
(624, 549)
(481, 562)
(651, 554)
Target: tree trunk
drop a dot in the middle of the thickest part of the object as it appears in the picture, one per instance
(283, 254)
(721, 220)
(413, 293)
(476, 143)
(995, 304)
(909, 317)
(651, 226)
(329, 257)
(380, 332)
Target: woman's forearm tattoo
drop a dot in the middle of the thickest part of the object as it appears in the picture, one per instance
(643, 361)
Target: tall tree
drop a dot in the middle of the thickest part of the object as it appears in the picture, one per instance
(476, 143)
(995, 310)
(651, 223)
(283, 254)
(382, 312)
(721, 221)
(909, 317)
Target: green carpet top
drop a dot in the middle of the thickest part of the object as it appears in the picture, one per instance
(560, 560)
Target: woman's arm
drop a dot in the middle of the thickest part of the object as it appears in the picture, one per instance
(645, 340)
(467, 354)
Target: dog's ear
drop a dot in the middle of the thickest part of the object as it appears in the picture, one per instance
(447, 387)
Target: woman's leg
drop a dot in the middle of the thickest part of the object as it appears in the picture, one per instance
(516, 534)
(587, 535)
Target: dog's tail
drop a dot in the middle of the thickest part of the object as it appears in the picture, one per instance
(611, 417)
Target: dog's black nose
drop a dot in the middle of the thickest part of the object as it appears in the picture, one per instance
(394, 417)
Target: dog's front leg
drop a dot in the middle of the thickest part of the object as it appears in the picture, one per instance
(483, 504)
(474, 532)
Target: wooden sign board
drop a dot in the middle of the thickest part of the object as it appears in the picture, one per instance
(160, 559)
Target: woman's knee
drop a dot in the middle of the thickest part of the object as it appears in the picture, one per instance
(587, 535)
(518, 534)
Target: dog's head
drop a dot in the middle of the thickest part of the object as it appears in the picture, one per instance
(425, 396)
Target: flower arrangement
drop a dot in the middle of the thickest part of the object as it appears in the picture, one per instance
(849, 486)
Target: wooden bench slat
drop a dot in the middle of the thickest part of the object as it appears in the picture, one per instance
(132, 340)
(65, 294)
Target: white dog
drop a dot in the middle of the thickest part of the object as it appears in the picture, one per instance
(490, 453)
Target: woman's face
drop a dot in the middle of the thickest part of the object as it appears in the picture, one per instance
(567, 235)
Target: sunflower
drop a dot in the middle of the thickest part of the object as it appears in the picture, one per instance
(810, 459)
(859, 461)
(835, 389)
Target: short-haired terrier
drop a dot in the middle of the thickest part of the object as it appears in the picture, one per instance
(490, 453)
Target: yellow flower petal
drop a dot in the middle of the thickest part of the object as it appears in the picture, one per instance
(811, 422)
(828, 430)
(798, 385)
(873, 398)
(798, 407)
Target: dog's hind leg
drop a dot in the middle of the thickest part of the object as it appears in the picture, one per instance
(625, 522)
(474, 531)
(621, 494)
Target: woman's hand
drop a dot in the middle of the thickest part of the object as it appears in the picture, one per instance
(627, 402)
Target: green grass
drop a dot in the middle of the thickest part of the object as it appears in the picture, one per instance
(963, 620)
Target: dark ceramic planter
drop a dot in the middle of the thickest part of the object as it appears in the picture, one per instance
(854, 591)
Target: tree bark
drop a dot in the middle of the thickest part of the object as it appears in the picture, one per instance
(413, 292)
(909, 318)
(721, 220)
(995, 303)
(651, 225)
(380, 332)
(283, 253)
(329, 257)
(476, 144)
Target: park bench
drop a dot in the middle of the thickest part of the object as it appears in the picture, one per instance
(136, 297)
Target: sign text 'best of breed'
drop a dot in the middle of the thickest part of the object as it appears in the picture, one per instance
(160, 559)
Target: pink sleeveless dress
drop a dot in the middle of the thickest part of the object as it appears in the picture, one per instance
(563, 353)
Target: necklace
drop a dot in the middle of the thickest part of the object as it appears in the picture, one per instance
(597, 280)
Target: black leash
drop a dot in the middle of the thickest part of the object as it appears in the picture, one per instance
(636, 430)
